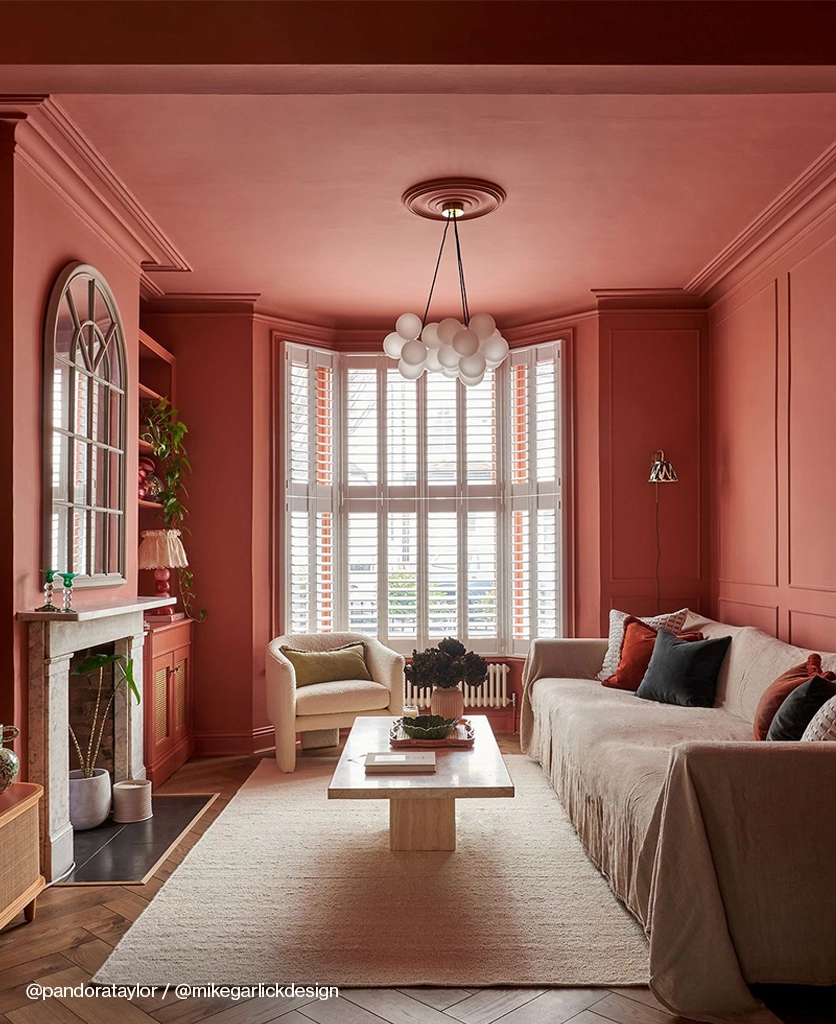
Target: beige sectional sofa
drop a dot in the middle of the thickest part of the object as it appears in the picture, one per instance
(724, 848)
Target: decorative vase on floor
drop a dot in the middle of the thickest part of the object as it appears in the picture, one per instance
(132, 800)
(447, 701)
(9, 762)
(89, 798)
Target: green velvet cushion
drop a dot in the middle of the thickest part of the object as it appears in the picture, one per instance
(327, 666)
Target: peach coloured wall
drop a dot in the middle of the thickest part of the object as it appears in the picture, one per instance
(47, 236)
(773, 372)
(652, 374)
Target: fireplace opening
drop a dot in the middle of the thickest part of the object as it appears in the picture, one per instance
(83, 696)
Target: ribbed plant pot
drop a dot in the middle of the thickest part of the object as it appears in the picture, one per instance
(132, 800)
(447, 702)
(89, 798)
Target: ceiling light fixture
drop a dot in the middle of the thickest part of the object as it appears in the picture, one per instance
(465, 348)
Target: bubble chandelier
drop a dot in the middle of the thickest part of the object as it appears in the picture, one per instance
(465, 348)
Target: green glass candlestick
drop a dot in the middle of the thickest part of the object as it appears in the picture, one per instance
(68, 578)
(49, 591)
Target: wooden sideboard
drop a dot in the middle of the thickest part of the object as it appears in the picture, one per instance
(167, 696)
(20, 871)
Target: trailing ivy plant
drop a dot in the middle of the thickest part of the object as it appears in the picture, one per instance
(165, 432)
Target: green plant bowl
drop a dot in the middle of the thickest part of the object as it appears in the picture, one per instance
(429, 727)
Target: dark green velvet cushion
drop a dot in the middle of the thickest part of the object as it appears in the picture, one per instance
(683, 671)
(800, 708)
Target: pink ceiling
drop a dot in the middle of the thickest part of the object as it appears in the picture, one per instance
(298, 196)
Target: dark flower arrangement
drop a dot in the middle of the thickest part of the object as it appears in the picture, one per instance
(446, 666)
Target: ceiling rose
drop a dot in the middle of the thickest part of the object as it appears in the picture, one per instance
(474, 196)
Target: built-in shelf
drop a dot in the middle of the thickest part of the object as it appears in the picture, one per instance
(149, 504)
(146, 446)
(98, 611)
(146, 392)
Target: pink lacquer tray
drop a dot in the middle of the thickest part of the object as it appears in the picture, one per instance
(463, 736)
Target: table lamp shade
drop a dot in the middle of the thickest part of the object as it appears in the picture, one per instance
(162, 549)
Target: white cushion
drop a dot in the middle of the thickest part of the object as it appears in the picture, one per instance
(341, 695)
(823, 725)
(672, 621)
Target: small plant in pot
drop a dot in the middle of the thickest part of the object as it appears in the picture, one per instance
(90, 789)
(443, 669)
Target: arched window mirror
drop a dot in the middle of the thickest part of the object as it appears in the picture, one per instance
(84, 430)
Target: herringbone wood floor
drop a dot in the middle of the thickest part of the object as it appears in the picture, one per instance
(76, 928)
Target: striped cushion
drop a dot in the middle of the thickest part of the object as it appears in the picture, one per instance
(672, 621)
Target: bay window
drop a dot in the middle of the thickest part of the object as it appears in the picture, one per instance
(421, 509)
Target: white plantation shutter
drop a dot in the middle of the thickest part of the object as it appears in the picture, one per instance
(401, 429)
(481, 439)
(442, 575)
(402, 580)
(361, 420)
(482, 583)
(442, 429)
(362, 572)
(423, 509)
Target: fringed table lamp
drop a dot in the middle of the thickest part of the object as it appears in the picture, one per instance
(162, 551)
(661, 472)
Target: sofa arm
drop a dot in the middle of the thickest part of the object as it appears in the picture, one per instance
(556, 659)
(386, 667)
(564, 659)
(281, 703)
(741, 878)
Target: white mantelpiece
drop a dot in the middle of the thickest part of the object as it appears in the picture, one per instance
(54, 637)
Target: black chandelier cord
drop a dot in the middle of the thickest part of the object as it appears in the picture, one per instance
(435, 275)
(465, 308)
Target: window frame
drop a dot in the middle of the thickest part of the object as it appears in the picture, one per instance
(498, 496)
(116, 344)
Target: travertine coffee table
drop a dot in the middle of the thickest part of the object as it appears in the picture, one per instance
(422, 808)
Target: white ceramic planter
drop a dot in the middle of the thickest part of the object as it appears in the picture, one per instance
(132, 800)
(89, 798)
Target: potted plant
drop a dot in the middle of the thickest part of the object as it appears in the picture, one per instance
(90, 789)
(443, 669)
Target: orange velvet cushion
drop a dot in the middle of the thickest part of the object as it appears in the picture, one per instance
(636, 649)
(776, 693)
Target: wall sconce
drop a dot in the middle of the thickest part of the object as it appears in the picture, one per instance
(661, 472)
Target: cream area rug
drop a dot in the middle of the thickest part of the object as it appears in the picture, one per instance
(288, 886)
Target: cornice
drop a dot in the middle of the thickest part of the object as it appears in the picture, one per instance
(546, 330)
(53, 147)
(658, 300)
(766, 232)
(203, 303)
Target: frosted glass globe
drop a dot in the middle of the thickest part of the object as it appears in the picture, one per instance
(472, 366)
(471, 382)
(430, 336)
(433, 363)
(448, 357)
(408, 325)
(450, 374)
(393, 344)
(483, 325)
(448, 329)
(466, 343)
(495, 348)
(414, 353)
(409, 371)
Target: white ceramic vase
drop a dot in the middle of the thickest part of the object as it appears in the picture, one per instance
(89, 798)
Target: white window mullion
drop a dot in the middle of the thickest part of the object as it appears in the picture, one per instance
(383, 504)
(422, 639)
(461, 513)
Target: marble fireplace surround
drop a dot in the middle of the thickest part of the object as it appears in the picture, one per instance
(54, 637)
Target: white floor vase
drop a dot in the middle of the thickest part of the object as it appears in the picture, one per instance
(89, 798)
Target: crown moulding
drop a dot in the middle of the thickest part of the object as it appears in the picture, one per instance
(50, 144)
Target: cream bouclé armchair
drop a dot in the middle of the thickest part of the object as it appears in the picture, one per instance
(319, 710)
